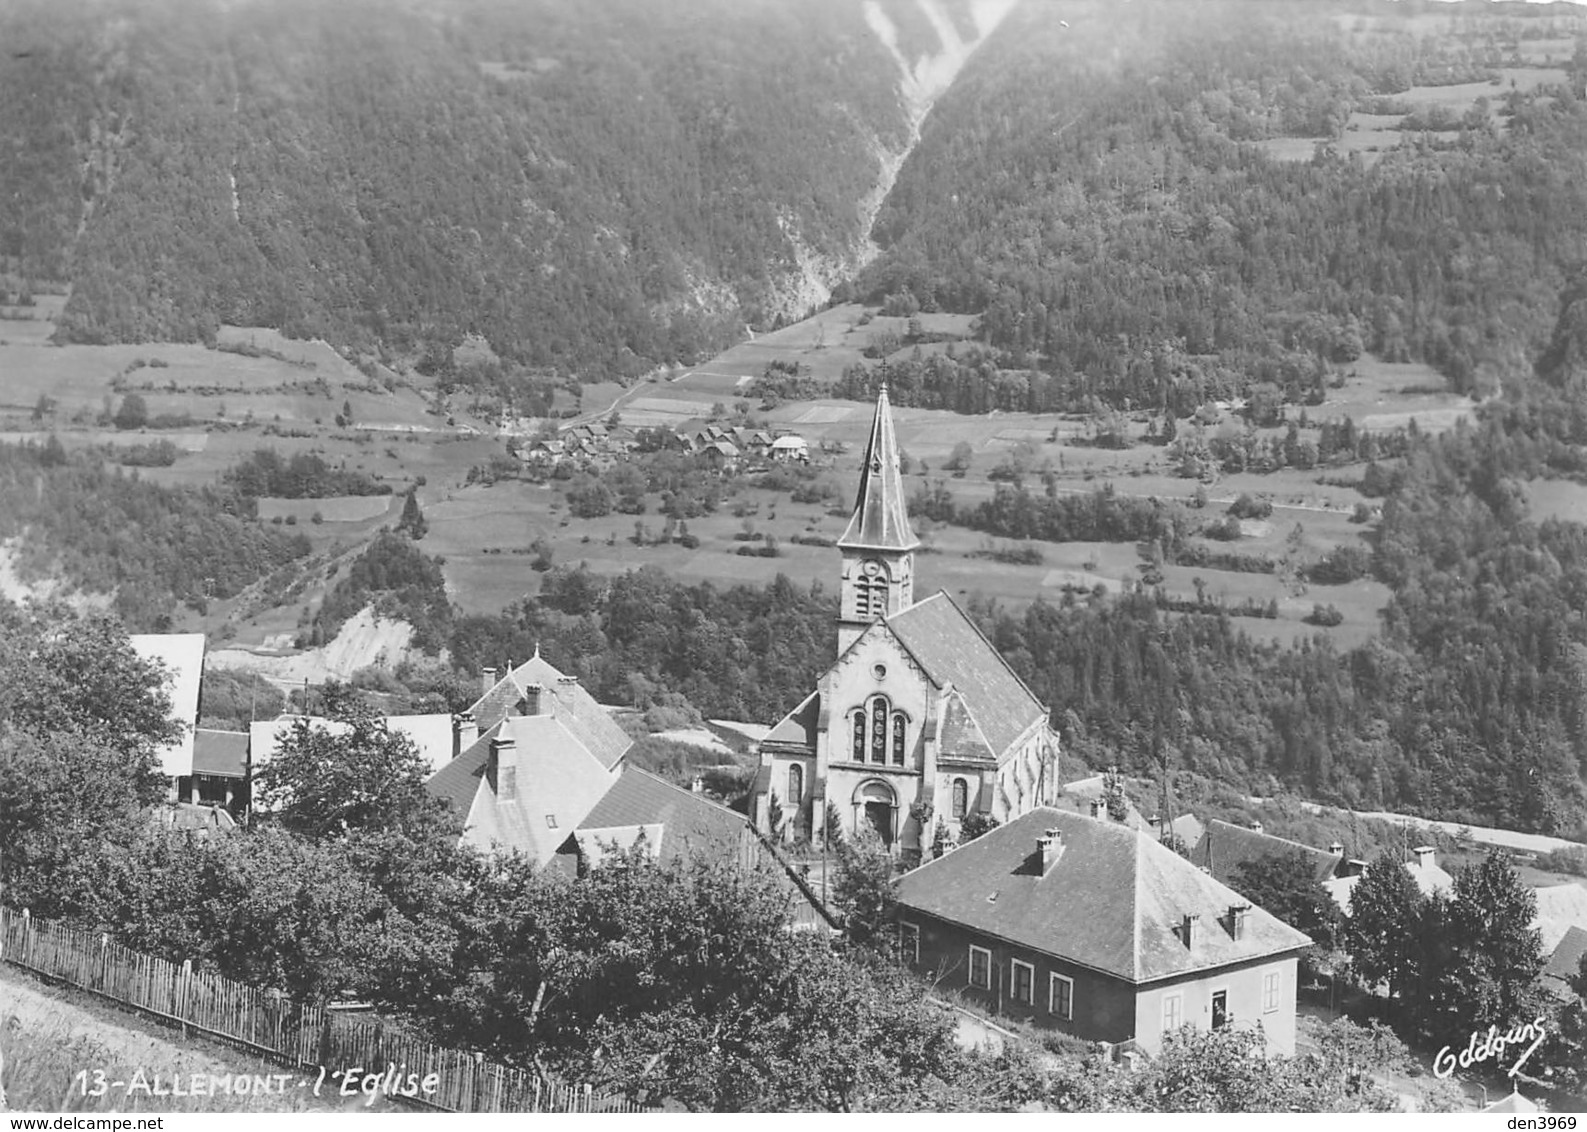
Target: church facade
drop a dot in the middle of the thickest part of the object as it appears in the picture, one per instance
(920, 723)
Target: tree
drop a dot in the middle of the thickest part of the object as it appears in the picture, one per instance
(959, 459)
(412, 522)
(1381, 933)
(1287, 886)
(863, 890)
(1495, 952)
(133, 413)
(355, 774)
(976, 824)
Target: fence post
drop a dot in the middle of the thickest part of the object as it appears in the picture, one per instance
(104, 961)
(27, 928)
(184, 988)
(587, 1106)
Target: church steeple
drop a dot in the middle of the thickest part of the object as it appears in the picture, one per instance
(880, 520)
(878, 545)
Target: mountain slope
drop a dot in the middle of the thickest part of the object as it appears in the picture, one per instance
(589, 187)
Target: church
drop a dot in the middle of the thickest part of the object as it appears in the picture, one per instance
(920, 723)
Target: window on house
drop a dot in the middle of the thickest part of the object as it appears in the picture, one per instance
(1269, 992)
(796, 783)
(879, 731)
(551, 821)
(1022, 982)
(980, 967)
(898, 738)
(859, 736)
(1061, 996)
(908, 943)
(507, 783)
(1173, 1012)
(961, 797)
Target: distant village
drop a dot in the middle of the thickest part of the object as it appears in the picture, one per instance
(601, 445)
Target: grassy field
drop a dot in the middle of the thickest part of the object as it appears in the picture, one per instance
(1557, 499)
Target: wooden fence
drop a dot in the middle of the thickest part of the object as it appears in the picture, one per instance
(295, 1034)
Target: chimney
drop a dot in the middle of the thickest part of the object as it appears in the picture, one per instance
(535, 700)
(465, 730)
(1237, 920)
(504, 761)
(1049, 847)
(1336, 848)
(1256, 827)
(1156, 824)
(488, 676)
(1424, 856)
(697, 785)
(1096, 808)
(1187, 929)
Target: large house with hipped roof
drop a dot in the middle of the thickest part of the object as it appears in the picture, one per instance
(1097, 930)
(920, 720)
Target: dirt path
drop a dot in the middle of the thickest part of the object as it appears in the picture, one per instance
(59, 1032)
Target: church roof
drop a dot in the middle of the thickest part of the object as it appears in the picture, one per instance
(881, 518)
(183, 656)
(575, 708)
(1111, 902)
(945, 642)
(799, 726)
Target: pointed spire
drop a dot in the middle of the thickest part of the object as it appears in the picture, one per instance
(880, 520)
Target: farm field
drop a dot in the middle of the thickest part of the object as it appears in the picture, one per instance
(1557, 499)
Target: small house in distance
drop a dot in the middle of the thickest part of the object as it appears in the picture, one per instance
(1097, 930)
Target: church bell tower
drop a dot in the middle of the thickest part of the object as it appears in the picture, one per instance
(878, 546)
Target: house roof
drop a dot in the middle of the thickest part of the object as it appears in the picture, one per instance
(1560, 907)
(1565, 962)
(559, 781)
(430, 734)
(577, 710)
(682, 820)
(1515, 1102)
(1429, 878)
(881, 515)
(223, 753)
(1225, 848)
(946, 643)
(790, 442)
(799, 726)
(183, 656)
(1189, 829)
(190, 817)
(1112, 902)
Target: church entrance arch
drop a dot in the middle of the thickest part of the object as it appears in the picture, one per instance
(877, 806)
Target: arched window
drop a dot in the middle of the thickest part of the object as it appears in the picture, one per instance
(796, 783)
(898, 738)
(961, 797)
(879, 730)
(859, 735)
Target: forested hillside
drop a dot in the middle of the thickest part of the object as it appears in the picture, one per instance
(1118, 189)
(599, 187)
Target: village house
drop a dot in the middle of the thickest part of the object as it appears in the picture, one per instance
(791, 447)
(1423, 868)
(920, 721)
(1097, 930)
(1225, 849)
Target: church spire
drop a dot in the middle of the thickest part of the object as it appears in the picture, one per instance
(880, 520)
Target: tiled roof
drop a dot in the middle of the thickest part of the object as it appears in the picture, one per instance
(1112, 902)
(798, 727)
(1190, 830)
(559, 781)
(220, 752)
(689, 820)
(960, 740)
(881, 514)
(183, 656)
(1225, 849)
(946, 643)
(1429, 879)
(570, 703)
(1564, 963)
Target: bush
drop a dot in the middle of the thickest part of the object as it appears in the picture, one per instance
(1325, 616)
(1247, 507)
